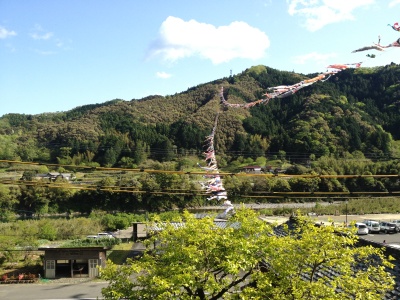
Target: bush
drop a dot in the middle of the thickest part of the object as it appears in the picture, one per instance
(47, 230)
(115, 222)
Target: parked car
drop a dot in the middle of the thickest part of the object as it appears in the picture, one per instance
(104, 235)
(92, 237)
(387, 227)
(361, 228)
(100, 235)
(373, 226)
(397, 222)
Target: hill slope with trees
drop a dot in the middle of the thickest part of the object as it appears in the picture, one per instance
(345, 125)
(356, 110)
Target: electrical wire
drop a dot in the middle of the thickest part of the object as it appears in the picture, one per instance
(121, 189)
(241, 174)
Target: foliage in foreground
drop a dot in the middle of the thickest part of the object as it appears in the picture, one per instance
(246, 260)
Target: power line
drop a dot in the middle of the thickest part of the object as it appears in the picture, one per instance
(261, 194)
(152, 171)
(194, 192)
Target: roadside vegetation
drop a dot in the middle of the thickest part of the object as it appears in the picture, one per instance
(20, 238)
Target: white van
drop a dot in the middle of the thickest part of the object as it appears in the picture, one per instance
(373, 226)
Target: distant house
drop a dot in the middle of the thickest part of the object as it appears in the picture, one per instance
(274, 170)
(54, 175)
(252, 169)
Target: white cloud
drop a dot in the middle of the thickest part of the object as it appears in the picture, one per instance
(394, 3)
(180, 39)
(314, 57)
(39, 34)
(59, 43)
(4, 33)
(163, 75)
(319, 13)
(44, 36)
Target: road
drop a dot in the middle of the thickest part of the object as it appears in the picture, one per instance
(389, 239)
(52, 291)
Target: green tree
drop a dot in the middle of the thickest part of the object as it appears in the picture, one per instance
(140, 154)
(27, 233)
(245, 260)
(47, 230)
(280, 185)
(8, 147)
(164, 150)
(292, 269)
(32, 200)
(59, 196)
(304, 184)
(8, 201)
(28, 150)
(127, 162)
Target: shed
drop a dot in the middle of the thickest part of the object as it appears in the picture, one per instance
(73, 262)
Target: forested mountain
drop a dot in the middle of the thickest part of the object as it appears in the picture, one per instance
(355, 110)
(345, 125)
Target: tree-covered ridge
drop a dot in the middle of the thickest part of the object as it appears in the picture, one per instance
(355, 110)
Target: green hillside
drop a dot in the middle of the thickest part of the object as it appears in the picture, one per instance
(356, 110)
(125, 155)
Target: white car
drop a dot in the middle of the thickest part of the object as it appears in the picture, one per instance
(104, 235)
(361, 228)
(100, 235)
(92, 237)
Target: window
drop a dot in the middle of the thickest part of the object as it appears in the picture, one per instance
(50, 264)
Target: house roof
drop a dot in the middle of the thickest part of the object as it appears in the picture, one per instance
(99, 248)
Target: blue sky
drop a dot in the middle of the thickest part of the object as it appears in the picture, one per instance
(60, 54)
